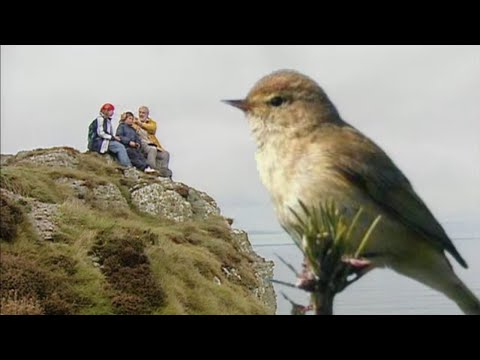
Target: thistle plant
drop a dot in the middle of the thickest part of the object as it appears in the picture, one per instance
(331, 263)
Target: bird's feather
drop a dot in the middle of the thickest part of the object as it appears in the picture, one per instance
(366, 166)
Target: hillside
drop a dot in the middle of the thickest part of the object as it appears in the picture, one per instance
(79, 234)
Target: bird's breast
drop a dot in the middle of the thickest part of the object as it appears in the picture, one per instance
(294, 170)
(301, 171)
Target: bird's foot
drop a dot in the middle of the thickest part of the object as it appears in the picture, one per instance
(356, 263)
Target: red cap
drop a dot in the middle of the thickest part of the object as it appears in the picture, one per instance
(107, 107)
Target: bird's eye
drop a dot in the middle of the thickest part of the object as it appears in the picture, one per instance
(277, 101)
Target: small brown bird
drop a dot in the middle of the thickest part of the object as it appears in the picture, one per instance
(306, 152)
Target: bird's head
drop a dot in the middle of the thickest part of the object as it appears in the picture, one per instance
(284, 101)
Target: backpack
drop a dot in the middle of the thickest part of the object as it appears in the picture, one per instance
(92, 133)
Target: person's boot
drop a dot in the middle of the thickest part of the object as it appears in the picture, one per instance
(165, 172)
(149, 170)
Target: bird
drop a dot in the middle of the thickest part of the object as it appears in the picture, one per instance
(306, 153)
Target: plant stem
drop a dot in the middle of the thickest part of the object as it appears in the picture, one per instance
(322, 300)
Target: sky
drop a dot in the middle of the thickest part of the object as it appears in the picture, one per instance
(421, 104)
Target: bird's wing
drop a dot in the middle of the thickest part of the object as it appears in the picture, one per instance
(366, 166)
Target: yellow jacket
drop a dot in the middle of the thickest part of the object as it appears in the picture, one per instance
(150, 126)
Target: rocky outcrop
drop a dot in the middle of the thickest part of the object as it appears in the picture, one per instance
(109, 196)
(5, 158)
(263, 270)
(203, 205)
(155, 199)
(42, 215)
(79, 187)
(173, 200)
(64, 157)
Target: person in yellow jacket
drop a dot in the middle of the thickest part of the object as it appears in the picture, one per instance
(157, 157)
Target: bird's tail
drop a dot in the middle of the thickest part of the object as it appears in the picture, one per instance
(464, 297)
(454, 288)
(440, 276)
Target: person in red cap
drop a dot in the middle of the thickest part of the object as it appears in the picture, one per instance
(103, 139)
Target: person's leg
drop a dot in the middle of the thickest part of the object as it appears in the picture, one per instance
(163, 158)
(137, 159)
(150, 153)
(120, 152)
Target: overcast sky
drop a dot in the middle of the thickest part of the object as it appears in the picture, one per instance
(420, 103)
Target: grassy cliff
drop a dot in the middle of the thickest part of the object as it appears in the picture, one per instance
(69, 248)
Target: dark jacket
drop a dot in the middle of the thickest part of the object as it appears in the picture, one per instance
(127, 133)
(103, 135)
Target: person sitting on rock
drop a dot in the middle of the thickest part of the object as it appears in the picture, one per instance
(102, 138)
(130, 139)
(157, 157)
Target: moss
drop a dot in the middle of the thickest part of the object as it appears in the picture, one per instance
(12, 304)
(129, 304)
(94, 163)
(11, 216)
(63, 262)
(216, 227)
(127, 268)
(30, 279)
(32, 182)
(187, 274)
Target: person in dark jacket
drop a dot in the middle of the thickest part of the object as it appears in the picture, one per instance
(130, 139)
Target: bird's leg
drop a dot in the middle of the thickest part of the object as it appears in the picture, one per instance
(355, 263)
(357, 267)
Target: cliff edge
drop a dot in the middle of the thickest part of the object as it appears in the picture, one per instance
(80, 234)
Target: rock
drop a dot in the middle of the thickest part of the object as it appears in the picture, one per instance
(182, 191)
(231, 272)
(5, 158)
(265, 292)
(263, 270)
(63, 157)
(42, 215)
(79, 188)
(131, 173)
(43, 218)
(12, 196)
(109, 196)
(203, 206)
(154, 199)
(241, 238)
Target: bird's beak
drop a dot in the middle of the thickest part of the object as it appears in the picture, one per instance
(241, 104)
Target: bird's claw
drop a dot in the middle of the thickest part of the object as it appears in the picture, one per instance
(357, 263)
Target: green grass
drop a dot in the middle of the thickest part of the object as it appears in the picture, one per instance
(176, 263)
